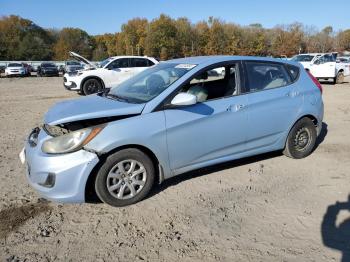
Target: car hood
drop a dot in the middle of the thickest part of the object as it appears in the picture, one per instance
(82, 59)
(89, 107)
(15, 68)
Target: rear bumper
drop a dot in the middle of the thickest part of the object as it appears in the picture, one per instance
(60, 177)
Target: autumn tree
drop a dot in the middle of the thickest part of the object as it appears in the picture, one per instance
(135, 33)
(73, 39)
(21, 39)
(161, 38)
(343, 40)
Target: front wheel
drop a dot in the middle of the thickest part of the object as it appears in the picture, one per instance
(125, 178)
(301, 139)
(91, 86)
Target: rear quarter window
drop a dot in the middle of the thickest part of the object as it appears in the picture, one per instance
(294, 72)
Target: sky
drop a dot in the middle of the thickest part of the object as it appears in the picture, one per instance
(107, 16)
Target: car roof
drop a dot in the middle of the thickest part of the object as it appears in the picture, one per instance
(198, 60)
(129, 56)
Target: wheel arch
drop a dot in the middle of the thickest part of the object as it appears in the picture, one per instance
(90, 194)
(310, 116)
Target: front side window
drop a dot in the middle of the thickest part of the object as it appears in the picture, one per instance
(217, 82)
(149, 83)
(262, 76)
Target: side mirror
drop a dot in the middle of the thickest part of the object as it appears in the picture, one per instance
(317, 62)
(184, 99)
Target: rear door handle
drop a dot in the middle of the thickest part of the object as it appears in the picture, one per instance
(292, 94)
(235, 108)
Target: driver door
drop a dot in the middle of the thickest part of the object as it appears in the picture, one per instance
(324, 67)
(207, 132)
(117, 71)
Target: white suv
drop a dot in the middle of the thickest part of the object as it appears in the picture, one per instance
(109, 72)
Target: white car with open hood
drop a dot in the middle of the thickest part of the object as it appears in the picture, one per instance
(108, 73)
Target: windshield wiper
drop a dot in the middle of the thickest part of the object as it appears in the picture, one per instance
(104, 91)
(119, 98)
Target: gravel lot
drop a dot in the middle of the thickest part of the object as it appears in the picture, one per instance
(265, 208)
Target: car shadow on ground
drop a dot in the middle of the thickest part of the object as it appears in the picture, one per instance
(337, 236)
(321, 137)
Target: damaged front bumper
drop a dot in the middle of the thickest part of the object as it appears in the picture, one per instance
(58, 177)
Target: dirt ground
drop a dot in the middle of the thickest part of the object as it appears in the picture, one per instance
(265, 208)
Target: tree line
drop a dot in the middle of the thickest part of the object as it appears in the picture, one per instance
(165, 38)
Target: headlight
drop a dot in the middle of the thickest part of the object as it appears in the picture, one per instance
(70, 142)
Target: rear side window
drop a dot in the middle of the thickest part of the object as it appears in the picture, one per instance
(264, 75)
(293, 71)
(139, 62)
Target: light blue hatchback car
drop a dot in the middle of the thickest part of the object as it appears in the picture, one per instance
(174, 117)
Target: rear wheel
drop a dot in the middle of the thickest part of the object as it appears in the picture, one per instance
(91, 86)
(125, 178)
(339, 79)
(301, 139)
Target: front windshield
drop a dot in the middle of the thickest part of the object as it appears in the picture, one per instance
(105, 62)
(14, 65)
(48, 65)
(150, 83)
(303, 58)
(73, 63)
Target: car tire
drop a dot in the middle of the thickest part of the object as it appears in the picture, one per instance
(117, 185)
(301, 139)
(91, 86)
(339, 79)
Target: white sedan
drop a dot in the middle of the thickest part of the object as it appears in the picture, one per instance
(110, 72)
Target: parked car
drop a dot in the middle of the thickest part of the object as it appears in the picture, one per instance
(47, 69)
(324, 66)
(343, 59)
(15, 69)
(2, 69)
(170, 119)
(71, 67)
(110, 72)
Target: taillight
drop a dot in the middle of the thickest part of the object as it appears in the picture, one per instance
(314, 79)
